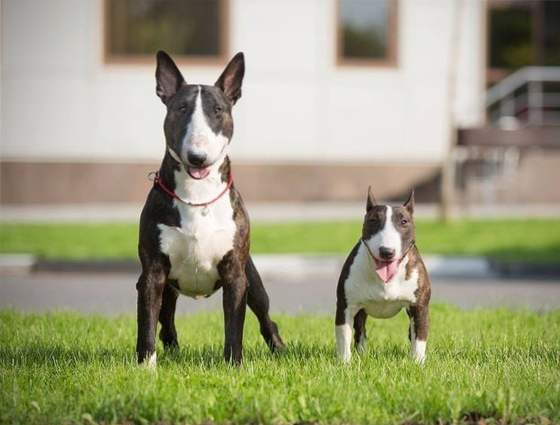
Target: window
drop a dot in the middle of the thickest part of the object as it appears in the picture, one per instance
(522, 33)
(188, 29)
(367, 32)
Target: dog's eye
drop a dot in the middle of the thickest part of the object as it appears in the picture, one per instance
(404, 222)
(183, 108)
(218, 109)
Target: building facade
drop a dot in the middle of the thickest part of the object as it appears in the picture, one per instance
(323, 112)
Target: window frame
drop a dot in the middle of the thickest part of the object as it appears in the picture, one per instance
(390, 61)
(148, 59)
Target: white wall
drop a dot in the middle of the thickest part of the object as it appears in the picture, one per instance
(61, 101)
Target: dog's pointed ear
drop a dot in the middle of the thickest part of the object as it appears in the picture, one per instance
(168, 77)
(371, 202)
(232, 78)
(409, 204)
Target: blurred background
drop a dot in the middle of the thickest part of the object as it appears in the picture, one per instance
(459, 99)
(338, 94)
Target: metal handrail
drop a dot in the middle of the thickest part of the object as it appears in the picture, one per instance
(519, 78)
(541, 106)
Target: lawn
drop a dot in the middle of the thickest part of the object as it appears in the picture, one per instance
(528, 240)
(70, 368)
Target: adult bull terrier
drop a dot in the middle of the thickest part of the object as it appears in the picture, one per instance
(194, 229)
(383, 273)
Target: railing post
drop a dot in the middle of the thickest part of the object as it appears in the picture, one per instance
(507, 106)
(535, 103)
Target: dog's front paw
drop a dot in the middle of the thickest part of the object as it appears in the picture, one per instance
(345, 360)
(149, 361)
(344, 356)
(419, 351)
(152, 361)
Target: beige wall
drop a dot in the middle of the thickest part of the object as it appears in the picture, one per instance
(60, 101)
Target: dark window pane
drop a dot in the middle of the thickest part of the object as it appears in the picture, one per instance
(181, 27)
(524, 33)
(511, 36)
(365, 28)
(551, 48)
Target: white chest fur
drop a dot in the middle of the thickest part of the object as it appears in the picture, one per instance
(364, 289)
(205, 235)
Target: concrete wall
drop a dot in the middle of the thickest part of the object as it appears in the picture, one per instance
(61, 101)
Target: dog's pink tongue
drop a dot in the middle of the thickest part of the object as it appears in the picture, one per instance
(199, 173)
(386, 269)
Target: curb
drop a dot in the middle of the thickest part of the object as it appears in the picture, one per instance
(296, 266)
(511, 269)
(86, 266)
(16, 263)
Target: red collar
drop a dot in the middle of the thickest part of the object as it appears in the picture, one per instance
(159, 183)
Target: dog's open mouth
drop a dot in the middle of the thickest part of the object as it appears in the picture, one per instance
(386, 269)
(198, 173)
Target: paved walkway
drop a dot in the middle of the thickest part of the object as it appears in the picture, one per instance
(262, 212)
(115, 293)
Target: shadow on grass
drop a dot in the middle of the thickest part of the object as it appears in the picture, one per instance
(45, 355)
(209, 356)
(212, 355)
(205, 356)
(304, 352)
(40, 354)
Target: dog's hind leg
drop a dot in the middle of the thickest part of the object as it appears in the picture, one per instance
(168, 333)
(360, 330)
(259, 303)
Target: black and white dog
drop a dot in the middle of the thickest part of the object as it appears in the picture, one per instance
(383, 273)
(194, 230)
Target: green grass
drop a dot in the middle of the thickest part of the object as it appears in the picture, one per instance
(70, 368)
(529, 240)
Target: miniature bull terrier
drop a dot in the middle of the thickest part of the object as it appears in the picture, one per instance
(383, 274)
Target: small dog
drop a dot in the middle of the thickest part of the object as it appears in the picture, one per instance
(383, 273)
(194, 230)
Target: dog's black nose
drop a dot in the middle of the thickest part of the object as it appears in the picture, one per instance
(196, 159)
(386, 253)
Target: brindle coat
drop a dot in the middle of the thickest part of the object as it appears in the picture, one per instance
(359, 265)
(237, 275)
